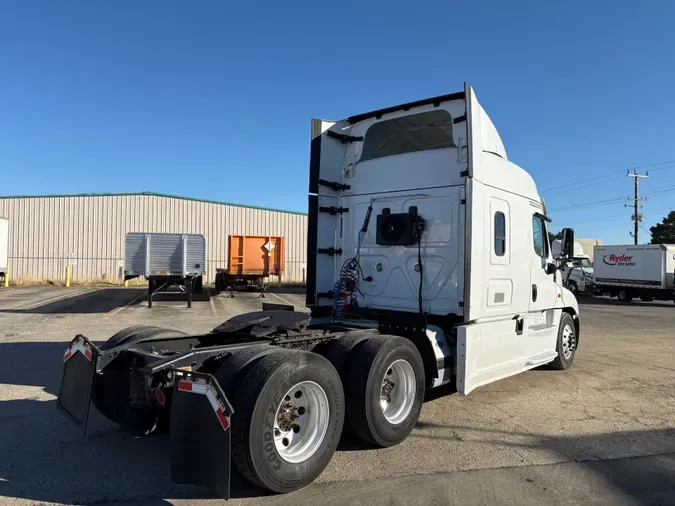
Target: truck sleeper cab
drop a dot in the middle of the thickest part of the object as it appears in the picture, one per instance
(428, 264)
(482, 270)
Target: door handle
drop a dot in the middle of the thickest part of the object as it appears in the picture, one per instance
(519, 324)
(534, 293)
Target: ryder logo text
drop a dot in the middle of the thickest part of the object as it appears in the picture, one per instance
(618, 259)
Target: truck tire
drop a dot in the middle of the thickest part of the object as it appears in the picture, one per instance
(322, 348)
(288, 417)
(572, 287)
(344, 349)
(624, 295)
(384, 390)
(110, 392)
(567, 343)
(233, 369)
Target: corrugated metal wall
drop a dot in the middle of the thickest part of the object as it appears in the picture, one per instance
(45, 233)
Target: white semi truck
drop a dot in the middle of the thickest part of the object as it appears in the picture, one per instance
(428, 264)
(629, 271)
(577, 272)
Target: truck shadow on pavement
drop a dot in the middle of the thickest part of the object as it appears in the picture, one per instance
(45, 458)
(640, 463)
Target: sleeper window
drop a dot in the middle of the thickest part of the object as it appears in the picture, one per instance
(407, 134)
(500, 234)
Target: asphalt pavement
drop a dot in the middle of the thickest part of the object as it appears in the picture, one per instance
(602, 432)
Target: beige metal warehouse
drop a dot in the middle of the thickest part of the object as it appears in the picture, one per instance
(46, 233)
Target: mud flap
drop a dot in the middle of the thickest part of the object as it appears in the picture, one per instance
(200, 432)
(77, 379)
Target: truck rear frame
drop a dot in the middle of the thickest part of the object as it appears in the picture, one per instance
(159, 374)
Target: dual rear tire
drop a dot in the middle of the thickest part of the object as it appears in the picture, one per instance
(384, 389)
(290, 405)
(289, 412)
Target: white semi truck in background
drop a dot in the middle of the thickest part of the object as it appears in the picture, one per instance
(628, 271)
(429, 264)
(577, 272)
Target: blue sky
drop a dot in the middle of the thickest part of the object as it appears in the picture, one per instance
(213, 99)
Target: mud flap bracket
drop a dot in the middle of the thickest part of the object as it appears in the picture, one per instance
(200, 436)
(77, 379)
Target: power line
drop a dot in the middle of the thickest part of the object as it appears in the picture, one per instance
(610, 201)
(583, 183)
(593, 180)
(606, 219)
(649, 165)
(662, 190)
(592, 203)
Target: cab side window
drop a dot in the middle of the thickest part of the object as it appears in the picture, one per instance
(500, 234)
(539, 236)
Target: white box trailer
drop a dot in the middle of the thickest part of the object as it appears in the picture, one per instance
(428, 264)
(166, 260)
(627, 271)
(4, 246)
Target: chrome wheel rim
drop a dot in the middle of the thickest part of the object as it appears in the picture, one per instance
(397, 393)
(301, 422)
(569, 341)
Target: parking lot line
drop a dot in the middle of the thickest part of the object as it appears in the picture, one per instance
(213, 306)
(55, 299)
(282, 299)
(130, 303)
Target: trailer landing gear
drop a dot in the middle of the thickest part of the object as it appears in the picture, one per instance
(187, 285)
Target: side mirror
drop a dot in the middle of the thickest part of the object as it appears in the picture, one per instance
(551, 267)
(567, 243)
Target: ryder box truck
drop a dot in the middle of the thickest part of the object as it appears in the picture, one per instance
(628, 271)
(428, 264)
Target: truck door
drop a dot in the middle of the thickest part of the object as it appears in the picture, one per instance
(326, 169)
(541, 323)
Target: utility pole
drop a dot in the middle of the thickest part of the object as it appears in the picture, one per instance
(637, 217)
